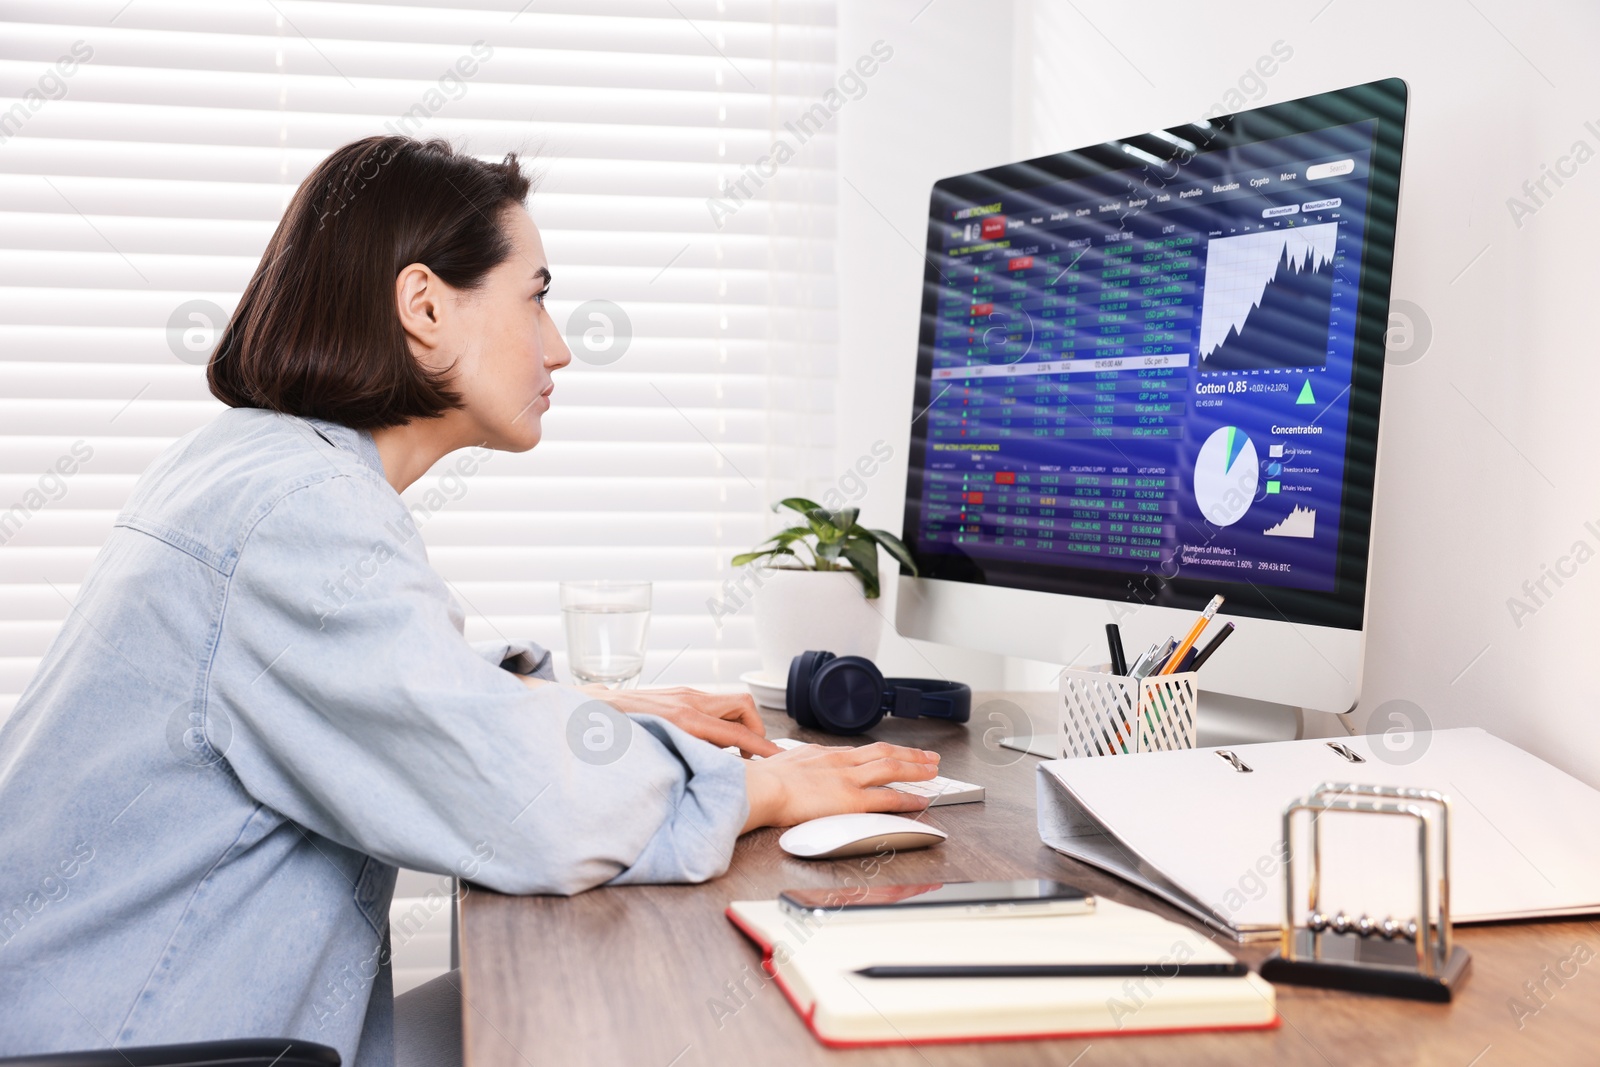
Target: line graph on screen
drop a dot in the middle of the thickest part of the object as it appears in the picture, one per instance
(1268, 298)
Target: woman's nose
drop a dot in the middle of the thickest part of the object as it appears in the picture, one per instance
(556, 352)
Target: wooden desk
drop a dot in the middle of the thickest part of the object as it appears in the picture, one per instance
(632, 975)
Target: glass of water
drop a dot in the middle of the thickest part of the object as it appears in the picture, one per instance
(607, 623)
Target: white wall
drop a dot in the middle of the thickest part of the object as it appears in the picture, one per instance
(915, 124)
(1487, 470)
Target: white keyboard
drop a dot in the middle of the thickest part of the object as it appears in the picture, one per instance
(940, 790)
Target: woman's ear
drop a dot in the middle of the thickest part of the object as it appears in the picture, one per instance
(419, 300)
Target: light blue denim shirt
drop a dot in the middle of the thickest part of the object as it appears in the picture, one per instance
(260, 705)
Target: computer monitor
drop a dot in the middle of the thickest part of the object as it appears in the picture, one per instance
(1149, 372)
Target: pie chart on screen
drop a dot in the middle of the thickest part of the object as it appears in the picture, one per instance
(1226, 474)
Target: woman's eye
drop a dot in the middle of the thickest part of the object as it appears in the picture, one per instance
(538, 298)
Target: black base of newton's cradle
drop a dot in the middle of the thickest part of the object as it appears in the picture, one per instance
(1348, 961)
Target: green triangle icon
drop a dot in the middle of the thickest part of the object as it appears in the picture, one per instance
(1305, 395)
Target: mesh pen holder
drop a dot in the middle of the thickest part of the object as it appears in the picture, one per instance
(1103, 714)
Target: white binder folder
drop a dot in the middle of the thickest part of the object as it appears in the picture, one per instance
(1203, 828)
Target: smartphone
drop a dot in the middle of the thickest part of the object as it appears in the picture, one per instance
(1021, 897)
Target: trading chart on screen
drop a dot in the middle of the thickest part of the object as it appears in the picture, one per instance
(1142, 375)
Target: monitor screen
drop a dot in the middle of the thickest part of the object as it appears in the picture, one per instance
(1149, 370)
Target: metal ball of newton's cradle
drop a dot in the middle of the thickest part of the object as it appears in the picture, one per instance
(1366, 926)
(1392, 928)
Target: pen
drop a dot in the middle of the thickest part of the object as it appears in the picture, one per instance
(1205, 653)
(1138, 664)
(1194, 634)
(1119, 661)
(1060, 970)
(1147, 667)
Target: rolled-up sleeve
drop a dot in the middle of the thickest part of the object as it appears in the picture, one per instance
(518, 657)
(344, 696)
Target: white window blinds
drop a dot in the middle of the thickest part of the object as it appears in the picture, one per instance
(148, 148)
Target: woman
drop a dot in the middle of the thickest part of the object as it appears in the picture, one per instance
(262, 702)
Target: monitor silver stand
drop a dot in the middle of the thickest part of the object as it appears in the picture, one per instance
(1037, 745)
(1233, 720)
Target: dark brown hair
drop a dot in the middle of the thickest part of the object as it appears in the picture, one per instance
(317, 332)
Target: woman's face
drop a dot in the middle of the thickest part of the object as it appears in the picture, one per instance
(499, 343)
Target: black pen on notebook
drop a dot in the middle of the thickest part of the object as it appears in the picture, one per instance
(1059, 970)
(1119, 659)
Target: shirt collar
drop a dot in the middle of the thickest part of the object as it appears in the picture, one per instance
(358, 442)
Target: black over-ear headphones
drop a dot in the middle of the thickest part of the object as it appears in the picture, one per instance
(847, 695)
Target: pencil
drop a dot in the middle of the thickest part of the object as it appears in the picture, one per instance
(1193, 635)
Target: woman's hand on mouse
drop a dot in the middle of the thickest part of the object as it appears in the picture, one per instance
(817, 780)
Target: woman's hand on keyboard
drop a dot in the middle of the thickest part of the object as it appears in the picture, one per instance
(722, 718)
(817, 780)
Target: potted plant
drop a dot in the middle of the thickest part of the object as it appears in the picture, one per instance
(819, 600)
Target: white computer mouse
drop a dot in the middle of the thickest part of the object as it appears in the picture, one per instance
(854, 835)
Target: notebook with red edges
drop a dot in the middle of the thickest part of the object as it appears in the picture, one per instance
(813, 963)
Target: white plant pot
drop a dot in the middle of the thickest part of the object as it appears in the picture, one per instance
(798, 611)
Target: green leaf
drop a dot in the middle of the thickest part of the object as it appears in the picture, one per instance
(821, 515)
(797, 503)
(895, 547)
(750, 557)
(834, 540)
(821, 520)
(863, 557)
(789, 536)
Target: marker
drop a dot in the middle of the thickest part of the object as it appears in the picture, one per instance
(1205, 653)
(1194, 634)
(1119, 660)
